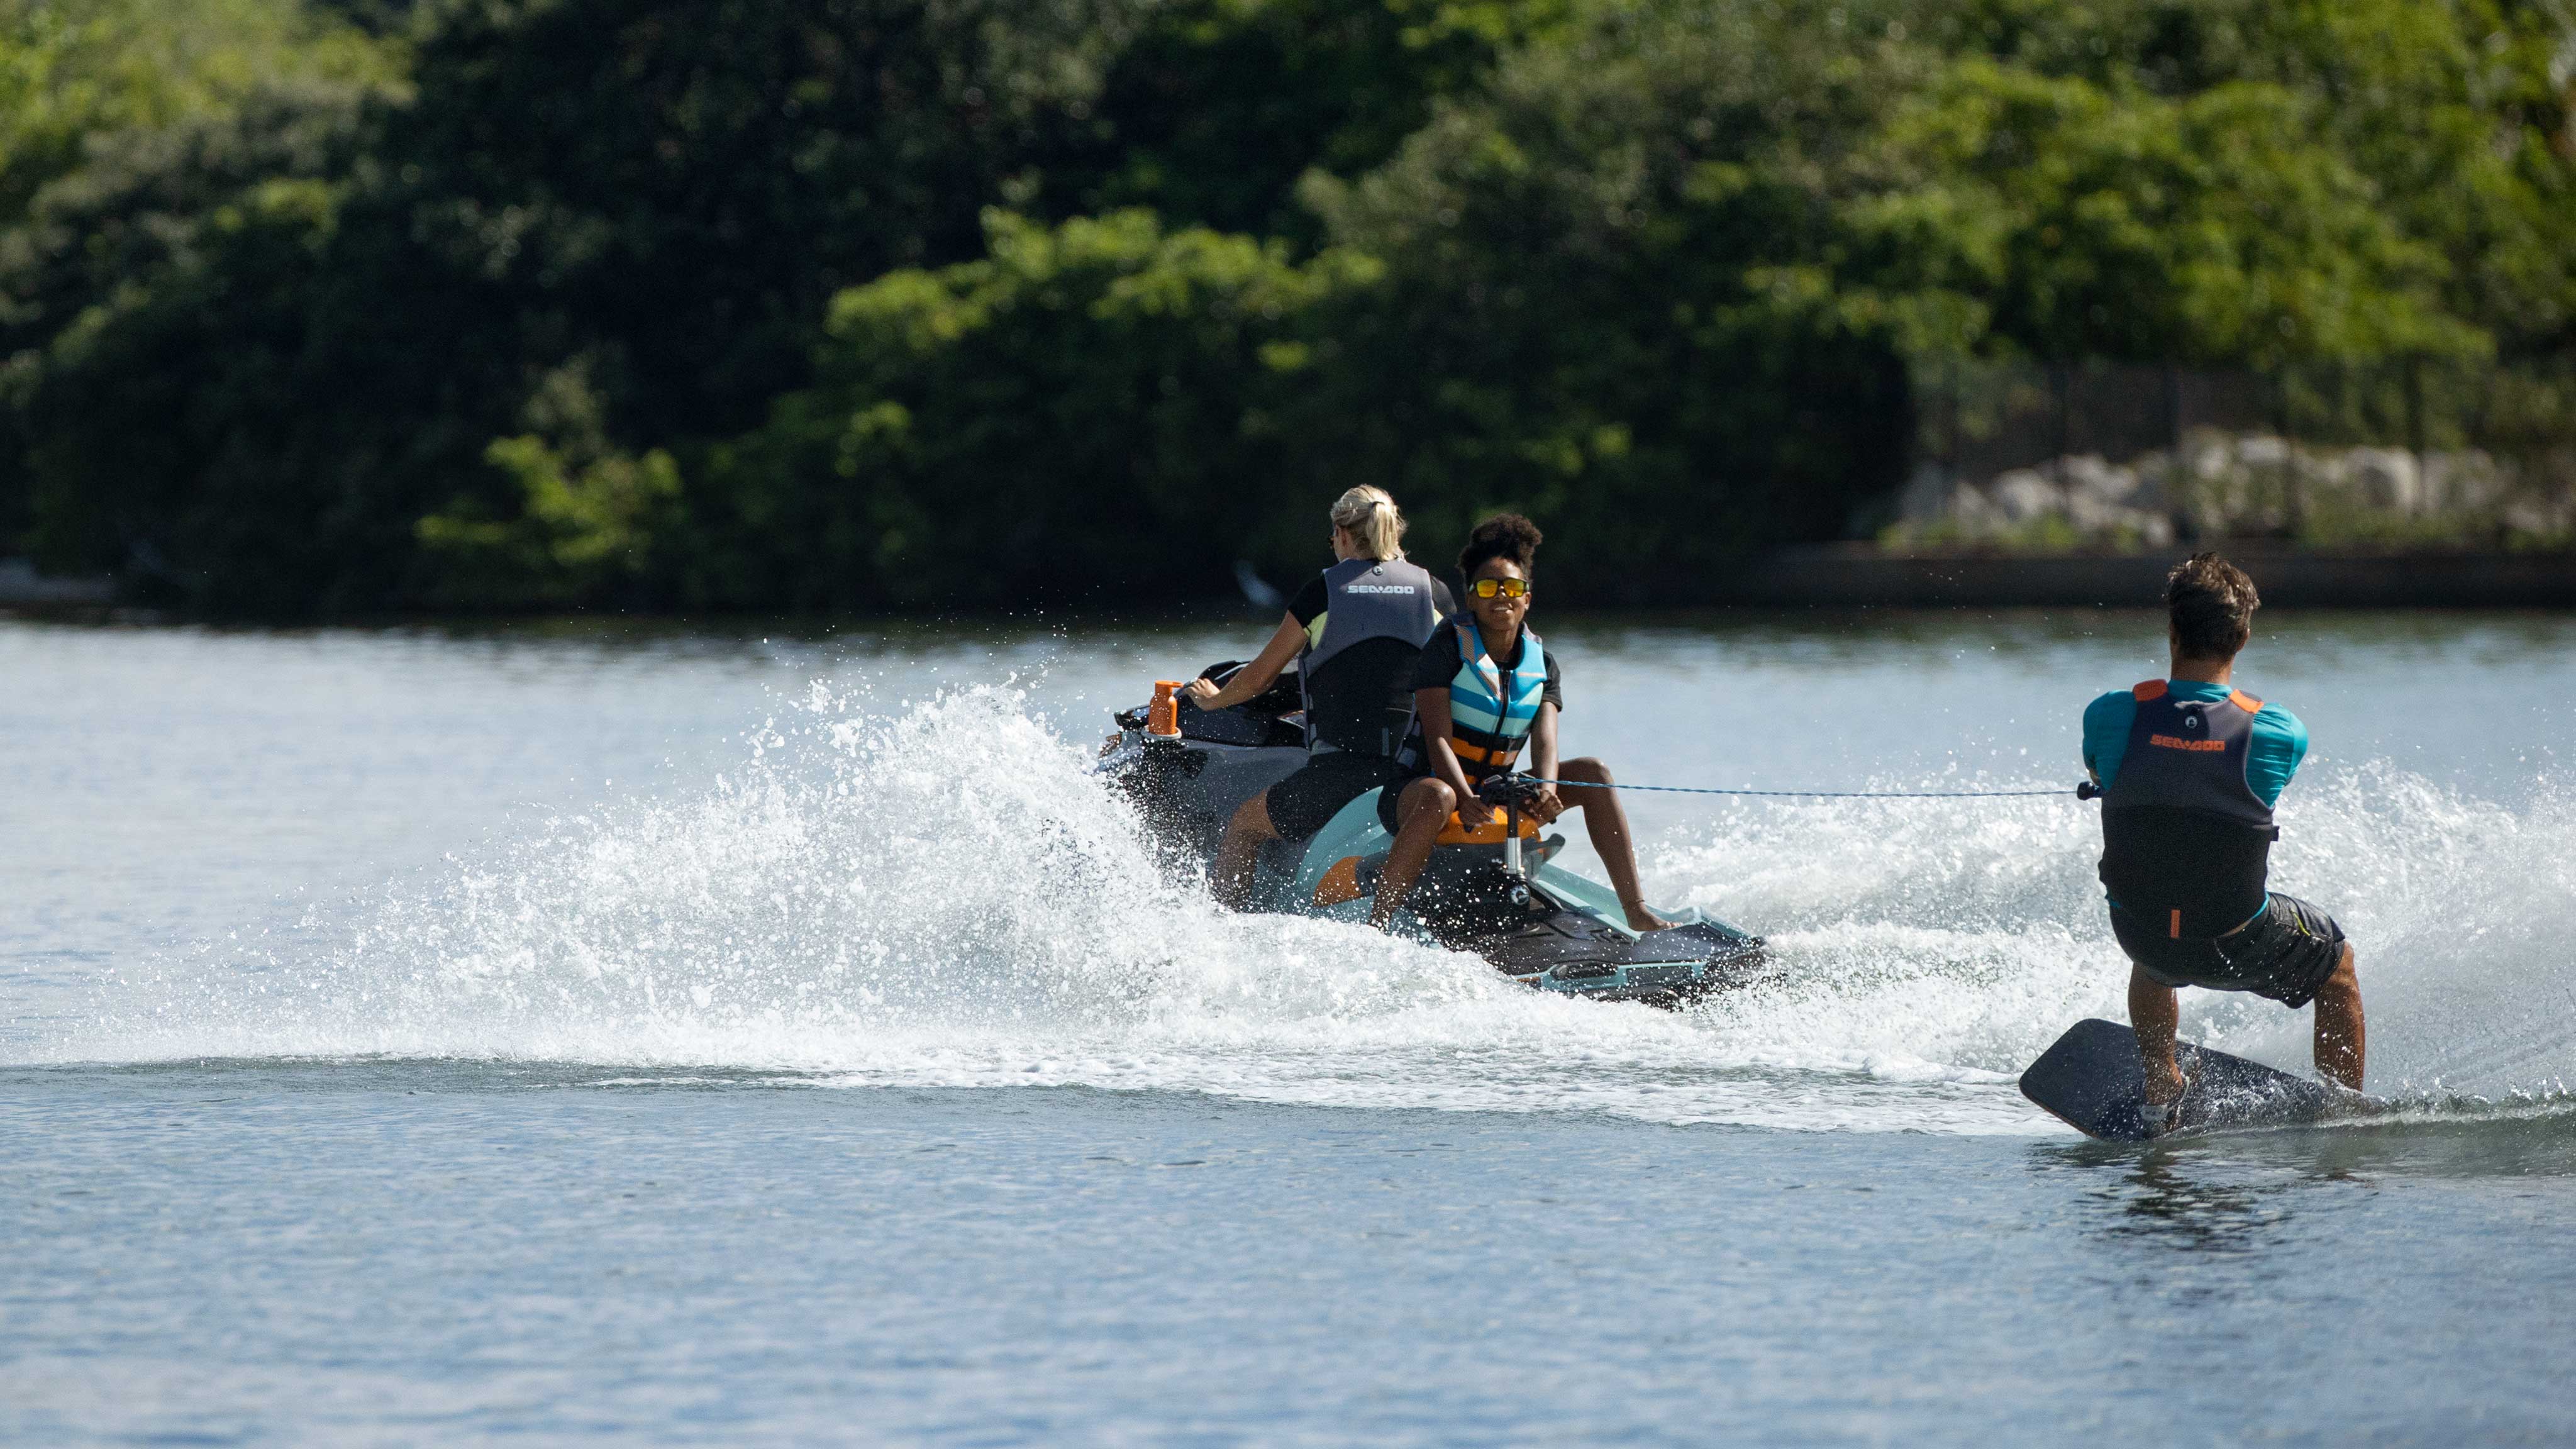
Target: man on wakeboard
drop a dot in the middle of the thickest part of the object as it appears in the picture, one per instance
(2189, 768)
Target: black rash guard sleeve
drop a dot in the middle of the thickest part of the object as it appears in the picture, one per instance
(1439, 661)
(1310, 603)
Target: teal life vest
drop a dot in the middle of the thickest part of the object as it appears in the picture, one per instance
(1493, 709)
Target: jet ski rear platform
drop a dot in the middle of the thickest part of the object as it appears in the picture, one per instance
(1539, 923)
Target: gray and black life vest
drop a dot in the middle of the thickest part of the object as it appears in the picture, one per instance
(2186, 843)
(1491, 709)
(1360, 654)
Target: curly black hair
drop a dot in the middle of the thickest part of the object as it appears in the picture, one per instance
(1505, 535)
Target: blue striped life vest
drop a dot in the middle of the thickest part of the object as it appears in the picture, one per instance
(1492, 709)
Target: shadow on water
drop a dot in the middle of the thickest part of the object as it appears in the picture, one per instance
(452, 1075)
(2240, 1192)
(2162, 1200)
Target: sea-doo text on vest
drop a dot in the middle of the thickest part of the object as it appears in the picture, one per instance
(1492, 709)
(1376, 615)
(2186, 843)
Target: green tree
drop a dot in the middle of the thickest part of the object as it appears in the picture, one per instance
(1091, 412)
(2457, 120)
(1216, 108)
(585, 519)
(2214, 228)
(95, 93)
(353, 305)
(249, 406)
(1606, 304)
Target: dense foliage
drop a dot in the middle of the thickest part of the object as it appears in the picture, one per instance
(334, 308)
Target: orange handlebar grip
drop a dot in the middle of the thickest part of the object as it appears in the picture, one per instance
(1486, 830)
(1164, 718)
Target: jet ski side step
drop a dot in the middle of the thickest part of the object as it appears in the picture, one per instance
(1574, 955)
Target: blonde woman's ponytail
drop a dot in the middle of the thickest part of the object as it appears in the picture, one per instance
(1369, 515)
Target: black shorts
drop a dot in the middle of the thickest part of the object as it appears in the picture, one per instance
(2284, 954)
(1308, 800)
(1390, 802)
(1387, 801)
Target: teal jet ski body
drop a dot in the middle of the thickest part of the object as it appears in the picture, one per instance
(1501, 895)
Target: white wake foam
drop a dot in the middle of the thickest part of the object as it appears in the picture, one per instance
(947, 896)
(1970, 936)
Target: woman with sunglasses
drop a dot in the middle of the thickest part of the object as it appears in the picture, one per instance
(1356, 628)
(1485, 687)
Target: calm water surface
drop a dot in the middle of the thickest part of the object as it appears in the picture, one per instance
(552, 1035)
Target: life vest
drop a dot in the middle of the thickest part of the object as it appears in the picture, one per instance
(2186, 843)
(1492, 709)
(1360, 654)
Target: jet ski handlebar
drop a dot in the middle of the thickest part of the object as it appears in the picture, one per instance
(1512, 794)
(1264, 720)
(1510, 791)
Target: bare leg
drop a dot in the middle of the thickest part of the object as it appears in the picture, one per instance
(1239, 850)
(1420, 812)
(2339, 1034)
(1607, 823)
(2155, 1015)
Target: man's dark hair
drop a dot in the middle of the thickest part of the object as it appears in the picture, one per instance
(1505, 535)
(2213, 605)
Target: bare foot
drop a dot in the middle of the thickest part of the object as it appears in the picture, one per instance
(1641, 920)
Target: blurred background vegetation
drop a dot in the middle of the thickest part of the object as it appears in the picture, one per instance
(317, 308)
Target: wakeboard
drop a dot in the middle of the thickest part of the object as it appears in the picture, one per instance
(2091, 1081)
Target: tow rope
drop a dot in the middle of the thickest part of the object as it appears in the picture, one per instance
(2085, 791)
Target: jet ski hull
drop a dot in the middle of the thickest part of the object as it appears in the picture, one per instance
(1545, 926)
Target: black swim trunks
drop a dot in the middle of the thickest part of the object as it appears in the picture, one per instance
(2284, 954)
(1308, 800)
(1390, 803)
(1387, 801)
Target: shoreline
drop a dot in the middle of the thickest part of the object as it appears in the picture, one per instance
(1861, 575)
(1831, 575)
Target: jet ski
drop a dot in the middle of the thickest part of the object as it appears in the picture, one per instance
(1491, 888)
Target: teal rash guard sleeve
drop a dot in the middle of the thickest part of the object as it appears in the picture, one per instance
(2272, 756)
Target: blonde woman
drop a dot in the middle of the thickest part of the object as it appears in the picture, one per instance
(1357, 629)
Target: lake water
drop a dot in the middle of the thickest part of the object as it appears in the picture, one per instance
(553, 1034)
